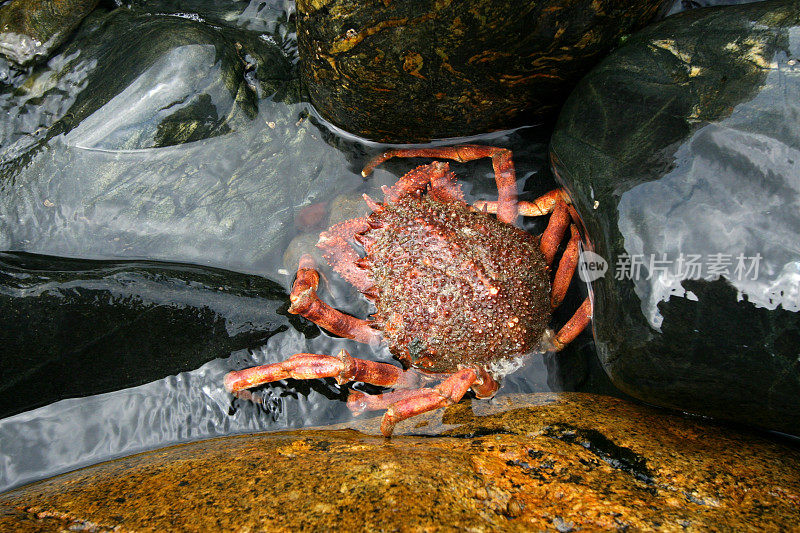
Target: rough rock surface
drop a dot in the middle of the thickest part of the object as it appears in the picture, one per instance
(410, 72)
(31, 29)
(559, 462)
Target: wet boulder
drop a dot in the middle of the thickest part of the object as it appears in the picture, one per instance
(682, 153)
(412, 72)
(136, 80)
(524, 463)
(194, 80)
(72, 328)
(31, 29)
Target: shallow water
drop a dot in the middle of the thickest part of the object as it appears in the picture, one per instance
(92, 176)
(191, 405)
(107, 187)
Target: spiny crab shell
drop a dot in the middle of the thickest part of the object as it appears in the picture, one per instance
(453, 286)
(460, 295)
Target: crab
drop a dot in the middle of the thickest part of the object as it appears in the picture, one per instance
(460, 294)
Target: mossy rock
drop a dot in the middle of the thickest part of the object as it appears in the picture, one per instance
(414, 71)
(31, 29)
(683, 147)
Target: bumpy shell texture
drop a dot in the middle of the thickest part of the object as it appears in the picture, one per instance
(454, 286)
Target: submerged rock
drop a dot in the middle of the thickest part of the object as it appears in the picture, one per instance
(74, 328)
(31, 29)
(193, 80)
(142, 80)
(165, 136)
(682, 153)
(557, 462)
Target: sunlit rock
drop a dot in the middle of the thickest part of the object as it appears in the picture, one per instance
(525, 463)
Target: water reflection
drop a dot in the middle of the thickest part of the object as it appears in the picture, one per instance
(192, 405)
(183, 203)
(732, 191)
(100, 183)
(136, 117)
(187, 406)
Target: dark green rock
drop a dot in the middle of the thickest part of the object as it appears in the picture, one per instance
(683, 142)
(134, 58)
(73, 328)
(414, 71)
(31, 29)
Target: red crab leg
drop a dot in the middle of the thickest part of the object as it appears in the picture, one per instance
(502, 163)
(485, 386)
(566, 268)
(305, 302)
(437, 174)
(541, 206)
(342, 367)
(443, 184)
(358, 402)
(575, 326)
(554, 233)
(446, 393)
(341, 256)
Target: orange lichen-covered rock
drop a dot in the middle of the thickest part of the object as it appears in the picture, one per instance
(523, 463)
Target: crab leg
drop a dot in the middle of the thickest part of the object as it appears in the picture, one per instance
(438, 174)
(575, 326)
(566, 268)
(543, 205)
(446, 393)
(305, 302)
(444, 185)
(342, 367)
(358, 402)
(501, 162)
(554, 233)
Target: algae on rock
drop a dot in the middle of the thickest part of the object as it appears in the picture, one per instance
(31, 29)
(415, 71)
